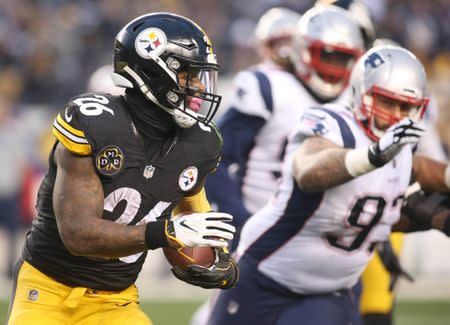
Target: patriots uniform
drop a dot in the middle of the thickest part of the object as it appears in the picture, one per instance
(265, 107)
(138, 188)
(320, 242)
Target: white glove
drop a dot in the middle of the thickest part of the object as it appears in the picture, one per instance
(404, 132)
(363, 160)
(202, 229)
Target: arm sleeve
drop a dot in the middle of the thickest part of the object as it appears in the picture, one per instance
(195, 203)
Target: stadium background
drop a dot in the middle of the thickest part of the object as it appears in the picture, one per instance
(49, 50)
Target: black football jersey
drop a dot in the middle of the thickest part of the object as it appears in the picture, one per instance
(138, 188)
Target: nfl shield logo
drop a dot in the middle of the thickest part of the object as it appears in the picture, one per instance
(33, 295)
(148, 171)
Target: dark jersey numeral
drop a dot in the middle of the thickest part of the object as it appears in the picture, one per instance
(354, 220)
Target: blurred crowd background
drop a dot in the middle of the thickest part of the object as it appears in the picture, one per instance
(50, 48)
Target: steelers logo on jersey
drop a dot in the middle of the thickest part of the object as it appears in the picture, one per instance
(110, 160)
(188, 178)
(150, 42)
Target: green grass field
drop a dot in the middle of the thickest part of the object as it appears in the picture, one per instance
(178, 313)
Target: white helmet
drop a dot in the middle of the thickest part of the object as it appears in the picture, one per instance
(276, 23)
(390, 72)
(384, 41)
(274, 32)
(326, 45)
(360, 12)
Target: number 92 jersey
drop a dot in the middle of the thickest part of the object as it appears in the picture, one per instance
(137, 188)
(320, 242)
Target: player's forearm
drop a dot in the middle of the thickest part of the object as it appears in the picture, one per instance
(78, 202)
(321, 171)
(431, 175)
(104, 239)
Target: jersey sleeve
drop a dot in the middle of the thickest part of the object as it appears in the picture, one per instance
(325, 123)
(70, 128)
(84, 123)
(253, 94)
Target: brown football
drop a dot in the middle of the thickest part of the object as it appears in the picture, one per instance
(204, 256)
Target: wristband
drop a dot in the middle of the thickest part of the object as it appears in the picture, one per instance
(155, 234)
(357, 162)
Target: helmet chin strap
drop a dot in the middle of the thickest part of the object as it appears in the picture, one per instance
(181, 118)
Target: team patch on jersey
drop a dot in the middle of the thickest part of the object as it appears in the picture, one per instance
(110, 160)
(150, 42)
(188, 178)
(316, 122)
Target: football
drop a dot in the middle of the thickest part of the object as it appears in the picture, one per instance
(204, 256)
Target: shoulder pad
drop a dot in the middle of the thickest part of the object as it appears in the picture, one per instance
(326, 123)
(81, 119)
(253, 94)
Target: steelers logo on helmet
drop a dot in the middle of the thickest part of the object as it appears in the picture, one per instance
(110, 160)
(150, 42)
(188, 178)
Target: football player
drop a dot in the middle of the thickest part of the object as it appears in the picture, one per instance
(377, 288)
(344, 179)
(269, 100)
(254, 114)
(119, 166)
(270, 97)
(256, 125)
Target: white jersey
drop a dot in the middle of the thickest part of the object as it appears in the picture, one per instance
(279, 98)
(321, 242)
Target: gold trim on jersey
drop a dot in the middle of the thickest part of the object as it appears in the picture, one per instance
(71, 138)
(68, 127)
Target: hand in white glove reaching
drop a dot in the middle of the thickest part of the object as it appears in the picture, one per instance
(200, 229)
(390, 144)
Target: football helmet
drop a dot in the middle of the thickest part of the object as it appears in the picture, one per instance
(390, 72)
(384, 41)
(150, 54)
(326, 45)
(360, 13)
(274, 32)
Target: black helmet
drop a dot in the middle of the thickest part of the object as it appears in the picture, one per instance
(153, 49)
